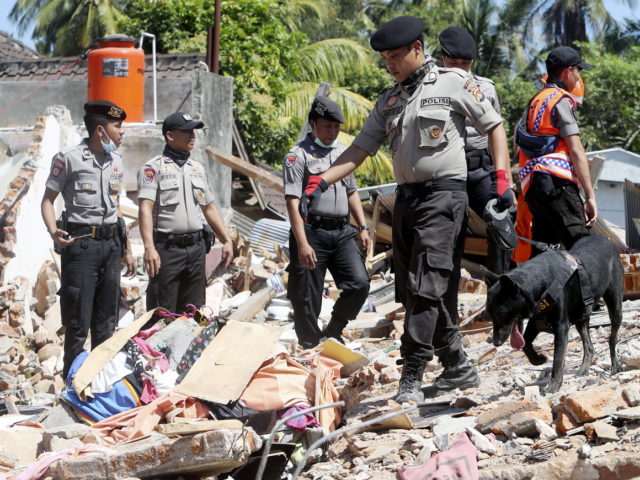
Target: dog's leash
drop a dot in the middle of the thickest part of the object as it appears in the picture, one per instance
(539, 245)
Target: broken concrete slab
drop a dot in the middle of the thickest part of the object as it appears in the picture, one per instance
(213, 452)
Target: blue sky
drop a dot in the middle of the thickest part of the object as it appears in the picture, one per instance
(618, 9)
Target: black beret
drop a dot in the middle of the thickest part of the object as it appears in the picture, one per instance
(565, 57)
(322, 107)
(104, 109)
(397, 33)
(457, 42)
(180, 121)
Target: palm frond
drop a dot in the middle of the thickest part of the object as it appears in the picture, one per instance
(376, 170)
(328, 60)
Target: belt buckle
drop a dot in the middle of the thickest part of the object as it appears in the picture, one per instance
(92, 234)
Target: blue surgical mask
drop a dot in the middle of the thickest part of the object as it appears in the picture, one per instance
(108, 147)
(319, 142)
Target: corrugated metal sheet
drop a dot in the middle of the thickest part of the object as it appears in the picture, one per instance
(266, 232)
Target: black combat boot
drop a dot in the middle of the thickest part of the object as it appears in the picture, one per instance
(411, 381)
(457, 373)
(334, 330)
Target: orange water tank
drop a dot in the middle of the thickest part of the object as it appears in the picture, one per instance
(116, 73)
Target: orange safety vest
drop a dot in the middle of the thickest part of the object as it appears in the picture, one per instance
(558, 162)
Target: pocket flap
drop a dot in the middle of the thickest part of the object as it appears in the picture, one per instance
(434, 114)
(168, 183)
(440, 260)
(86, 185)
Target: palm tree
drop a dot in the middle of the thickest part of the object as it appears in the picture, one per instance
(66, 27)
(566, 22)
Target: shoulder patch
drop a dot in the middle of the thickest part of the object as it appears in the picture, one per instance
(57, 164)
(149, 175)
(290, 161)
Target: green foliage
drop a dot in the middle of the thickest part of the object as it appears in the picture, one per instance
(611, 110)
(514, 96)
(175, 23)
(67, 27)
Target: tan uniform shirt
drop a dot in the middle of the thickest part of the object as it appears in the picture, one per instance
(89, 188)
(426, 130)
(307, 158)
(178, 193)
(476, 140)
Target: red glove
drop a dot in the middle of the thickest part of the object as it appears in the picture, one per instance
(315, 186)
(505, 195)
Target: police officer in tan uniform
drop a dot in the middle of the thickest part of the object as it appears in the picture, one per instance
(173, 195)
(89, 177)
(324, 238)
(423, 118)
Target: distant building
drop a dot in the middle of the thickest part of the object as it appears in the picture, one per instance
(12, 49)
(619, 164)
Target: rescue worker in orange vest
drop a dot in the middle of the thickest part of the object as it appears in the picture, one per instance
(522, 252)
(553, 158)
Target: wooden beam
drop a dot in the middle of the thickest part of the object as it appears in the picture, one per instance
(246, 168)
(256, 302)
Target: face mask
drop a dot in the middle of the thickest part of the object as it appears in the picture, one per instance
(108, 147)
(319, 142)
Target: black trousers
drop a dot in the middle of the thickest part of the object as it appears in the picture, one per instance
(556, 210)
(337, 251)
(181, 280)
(426, 231)
(481, 187)
(89, 294)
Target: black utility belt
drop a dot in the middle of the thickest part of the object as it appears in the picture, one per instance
(424, 189)
(327, 223)
(178, 239)
(99, 232)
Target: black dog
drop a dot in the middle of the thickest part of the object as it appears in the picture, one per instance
(553, 293)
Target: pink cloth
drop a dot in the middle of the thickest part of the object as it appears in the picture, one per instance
(460, 461)
(158, 358)
(302, 421)
(36, 470)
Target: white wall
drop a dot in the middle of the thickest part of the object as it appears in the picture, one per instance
(610, 201)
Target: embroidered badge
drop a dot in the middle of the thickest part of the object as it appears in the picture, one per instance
(392, 101)
(187, 117)
(477, 94)
(149, 175)
(435, 132)
(115, 112)
(115, 169)
(57, 165)
(290, 161)
(199, 196)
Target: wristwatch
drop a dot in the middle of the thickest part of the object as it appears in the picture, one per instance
(363, 227)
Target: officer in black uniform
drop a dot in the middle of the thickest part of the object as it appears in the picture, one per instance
(92, 235)
(422, 116)
(324, 238)
(174, 195)
(458, 50)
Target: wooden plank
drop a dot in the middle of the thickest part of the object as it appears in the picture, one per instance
(246, 168)
(188, 428)
(228, 363)
(475, 246)
(256, 302)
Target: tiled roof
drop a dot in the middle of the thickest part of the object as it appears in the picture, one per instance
(170, 65)
(12, 49)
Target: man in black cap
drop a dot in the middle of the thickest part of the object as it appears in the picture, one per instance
(174, 194)
(422, 117)
(89, 177)
(323, 238)
(458, 50)
(552, 157)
